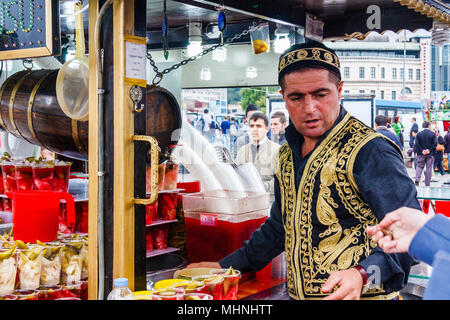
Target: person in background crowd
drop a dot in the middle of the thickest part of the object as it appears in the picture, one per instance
(380, 126)
(398, 129)
(335, 176)
(213, 129)
(260, 151)
(425, 148)
(413, 132)
(242, 134)
(447, 147)
(439, 155)
(233, 132)
(389, 124)
(206, 123)
(278, 126)
(225, 127)
(424, 237)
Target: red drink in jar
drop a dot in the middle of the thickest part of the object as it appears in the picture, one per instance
(49, 292)
(84, 290)
(43, 177)
(24, 176)
(160, 234)
(61, 176)
(230, 282)
(151, 213)
(2, 191)
(7, 205)
(9, 179)
(71, 290)
(167, 205)
(170, 176)
(26, 294)
(213, 285)
(149, 241)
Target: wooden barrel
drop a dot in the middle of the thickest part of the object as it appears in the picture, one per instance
(29, 109)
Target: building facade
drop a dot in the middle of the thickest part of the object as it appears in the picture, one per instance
(381, 69)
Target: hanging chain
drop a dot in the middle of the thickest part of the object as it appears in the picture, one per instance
(159, 75)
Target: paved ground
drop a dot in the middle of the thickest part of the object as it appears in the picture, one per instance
(437, 179)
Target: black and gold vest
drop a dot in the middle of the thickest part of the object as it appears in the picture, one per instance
(325, 220)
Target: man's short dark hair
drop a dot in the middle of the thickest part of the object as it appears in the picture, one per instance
(414, 118)
(426, 124)
(259, 115)
(381, 120)
(280, 115)
(251, 107)
(206, 111)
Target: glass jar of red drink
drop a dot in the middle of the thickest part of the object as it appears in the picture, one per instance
(159, 235)
(26, 294)
(8, 174)
(61, 174)
(84, 290)
(49, 292)
(230, 282)
(71, 290)
(43, 176)
(7, 204)
(167, 205)
(24, 175)
(213, 285)
(151, 213)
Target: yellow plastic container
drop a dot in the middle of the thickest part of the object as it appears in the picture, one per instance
(167, 283)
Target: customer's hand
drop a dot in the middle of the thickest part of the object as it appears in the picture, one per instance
(205, 264)
(349, 283)
(403, 223)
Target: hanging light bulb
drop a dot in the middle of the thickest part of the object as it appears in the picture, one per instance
(205, 74)
(282, 42)
(195, 39)
(251, 72)
(220, 54)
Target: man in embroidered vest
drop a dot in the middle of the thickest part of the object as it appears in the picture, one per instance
(335, 177)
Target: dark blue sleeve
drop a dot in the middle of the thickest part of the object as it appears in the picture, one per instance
(384, 184)
(437, 287)
(266, 243)
(432, 237)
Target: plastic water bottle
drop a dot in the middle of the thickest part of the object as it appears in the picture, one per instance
(121, 290)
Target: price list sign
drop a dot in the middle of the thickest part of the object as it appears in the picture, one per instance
(29, 28)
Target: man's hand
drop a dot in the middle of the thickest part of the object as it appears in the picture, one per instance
(205, 264)
(403, 223)
(425, 152)
(349, 283)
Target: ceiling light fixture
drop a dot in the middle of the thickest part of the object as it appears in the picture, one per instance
(282, 42)
(195, 39)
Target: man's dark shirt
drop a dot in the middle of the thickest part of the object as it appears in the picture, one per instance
(425, 139)
(389, 134)
(383, 182)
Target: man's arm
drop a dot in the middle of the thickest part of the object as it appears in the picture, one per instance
(384, 184)
(265, 243)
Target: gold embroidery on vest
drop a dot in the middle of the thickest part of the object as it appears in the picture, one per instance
(337, 249)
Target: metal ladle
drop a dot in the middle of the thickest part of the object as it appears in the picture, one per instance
(72, 83)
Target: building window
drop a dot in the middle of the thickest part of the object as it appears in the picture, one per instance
(361, 91)
(410, 74)
(346, 72)
(361, 72)
(382, 94)
(394, 95)
(382, 73)
(417, 74)
(372, 72)
(346, 91)
(372, 92)
(394, 73)
(402, 73)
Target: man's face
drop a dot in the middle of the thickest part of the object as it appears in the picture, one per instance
(312, 101)
(276, 126)
(257, 130)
